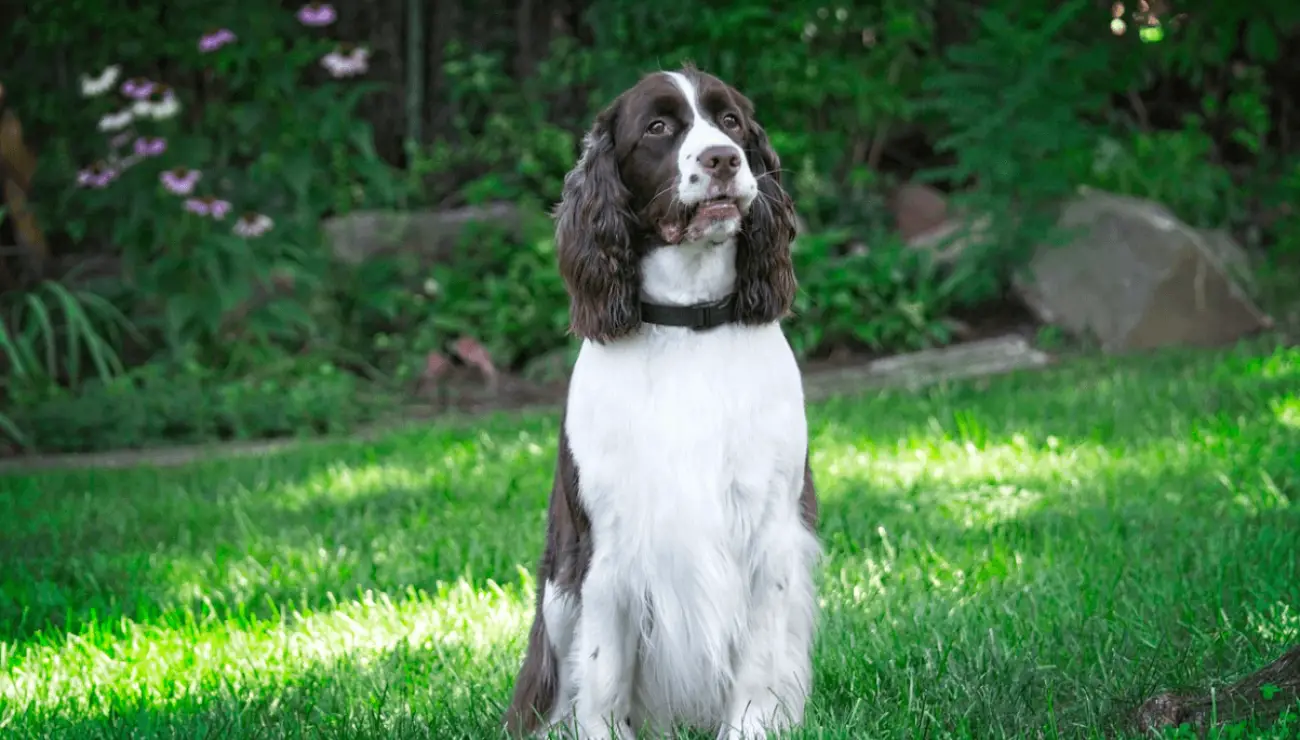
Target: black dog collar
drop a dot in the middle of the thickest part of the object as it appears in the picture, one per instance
(698, 317)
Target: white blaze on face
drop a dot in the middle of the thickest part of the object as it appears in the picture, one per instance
(693, 182)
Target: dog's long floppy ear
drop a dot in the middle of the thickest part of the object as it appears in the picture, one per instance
(765, 280)
(594, 227)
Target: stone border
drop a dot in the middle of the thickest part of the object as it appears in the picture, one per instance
(979, 358)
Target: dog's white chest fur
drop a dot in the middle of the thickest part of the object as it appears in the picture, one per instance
(690, 450)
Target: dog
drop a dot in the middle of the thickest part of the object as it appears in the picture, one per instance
(676, 587)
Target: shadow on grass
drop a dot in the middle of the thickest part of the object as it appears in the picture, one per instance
(981, 577)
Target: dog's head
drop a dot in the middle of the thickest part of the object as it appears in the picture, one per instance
(678, 158)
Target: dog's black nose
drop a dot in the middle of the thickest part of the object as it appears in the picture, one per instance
(720, 162)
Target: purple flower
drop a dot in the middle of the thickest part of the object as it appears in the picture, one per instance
(137, 88)
(317, 14)
(208, 206)
(180, 181)
(146, 147)
(98, 175)
(218, 208)
(213, 40)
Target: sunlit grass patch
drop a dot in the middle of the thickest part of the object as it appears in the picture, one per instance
(1287, 410)
(1030, 554)
(186, 656)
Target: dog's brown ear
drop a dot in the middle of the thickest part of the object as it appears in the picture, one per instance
(765, 278)
(593, 238)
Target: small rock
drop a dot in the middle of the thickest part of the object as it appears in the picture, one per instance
(925, 221)
(917, 209)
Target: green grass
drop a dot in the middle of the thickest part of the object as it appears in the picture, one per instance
(1026, 557)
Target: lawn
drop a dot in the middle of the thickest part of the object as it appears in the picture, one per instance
(1029, 556)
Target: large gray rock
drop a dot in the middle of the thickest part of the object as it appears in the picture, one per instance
(359, 235)
(1135, 277)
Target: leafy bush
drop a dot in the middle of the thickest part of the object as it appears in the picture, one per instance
(158, 405)
(211, 178)
(882, 298)
(47, 338)
(502, 290)
(201, 148)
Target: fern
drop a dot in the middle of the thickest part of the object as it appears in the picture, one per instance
(1018, 99)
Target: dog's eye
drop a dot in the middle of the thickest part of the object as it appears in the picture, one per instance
(730, 121)
(657, 128)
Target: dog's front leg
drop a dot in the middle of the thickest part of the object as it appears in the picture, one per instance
(604, 658)
(774, 670)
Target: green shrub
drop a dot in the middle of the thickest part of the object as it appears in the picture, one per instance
(156, 405)
(885, 297)
(49, 337)
(499, 289)
(205, 160)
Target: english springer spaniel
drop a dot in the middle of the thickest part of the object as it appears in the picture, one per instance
(677, 583)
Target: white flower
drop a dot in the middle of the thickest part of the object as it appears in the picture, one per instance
(341, 63)
(165, 108)
(160, 105)
(116, 121)
(95, 86)
(252, 224)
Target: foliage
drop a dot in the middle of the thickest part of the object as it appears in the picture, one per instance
(210, 179)
(1016, 101)
(883, 297)
(503, 290)
(46, 334)
(158, 405)
(1170, 167)
(504, 144)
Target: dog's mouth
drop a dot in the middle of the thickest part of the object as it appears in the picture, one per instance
(719, 207)
(708, 217)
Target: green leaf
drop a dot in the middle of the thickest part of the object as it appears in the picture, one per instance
(44, 329)
(1261, 40)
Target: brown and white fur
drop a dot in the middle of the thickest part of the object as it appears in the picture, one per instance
(676, 587)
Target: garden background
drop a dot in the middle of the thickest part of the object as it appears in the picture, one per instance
(127, 320)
